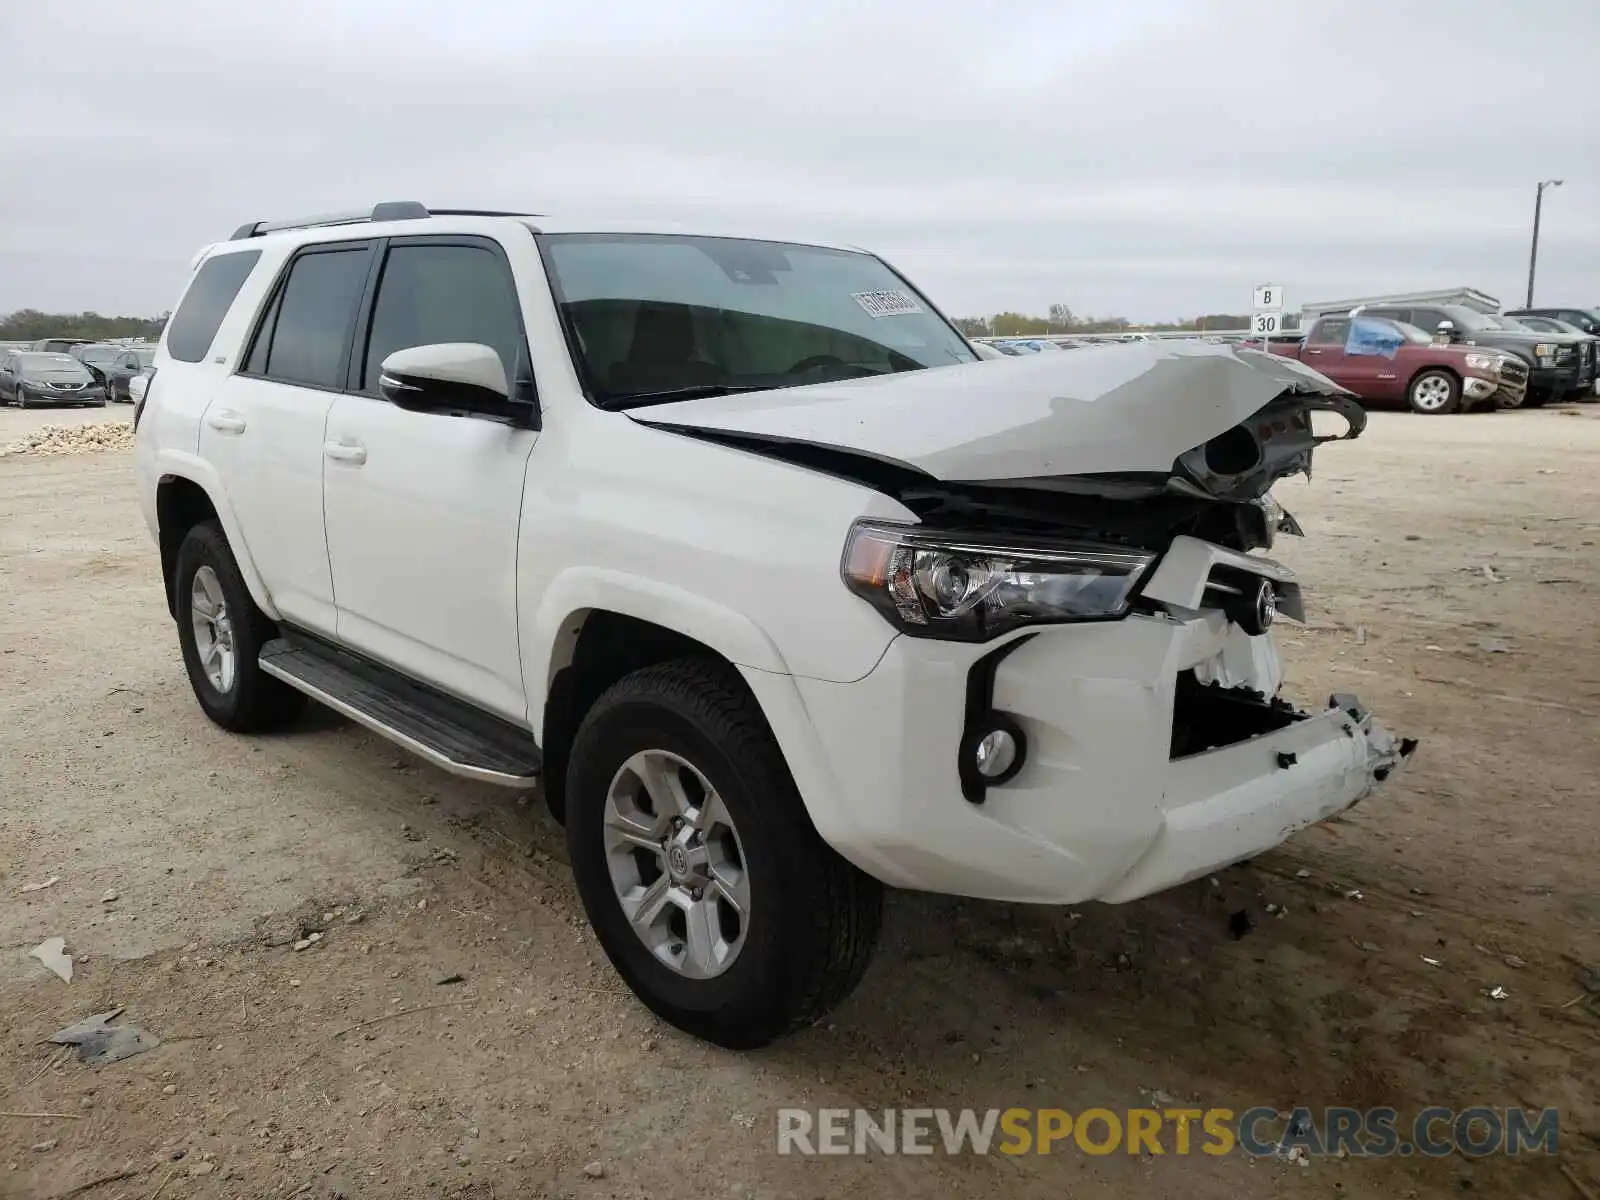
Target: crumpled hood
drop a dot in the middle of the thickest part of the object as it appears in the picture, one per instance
(1126, 410)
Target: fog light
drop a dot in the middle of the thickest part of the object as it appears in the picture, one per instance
(996, 751)
(991, 754)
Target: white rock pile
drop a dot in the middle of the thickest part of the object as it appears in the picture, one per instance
(73, 439)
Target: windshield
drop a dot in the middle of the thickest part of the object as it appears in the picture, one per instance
(655, 317)
(57, 366)
(1507, 324)
(145, 357)
(100, 356)
(1466, 318)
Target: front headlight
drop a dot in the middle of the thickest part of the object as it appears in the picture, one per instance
(1484, 362)
(969, 589)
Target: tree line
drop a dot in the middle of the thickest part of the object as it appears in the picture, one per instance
(1062, 320)
(30, 325)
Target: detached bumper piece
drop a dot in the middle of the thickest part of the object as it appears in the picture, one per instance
(1224, 805)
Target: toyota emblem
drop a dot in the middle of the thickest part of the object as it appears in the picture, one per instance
(1266, 607)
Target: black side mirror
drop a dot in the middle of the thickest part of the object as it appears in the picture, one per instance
(450, 377)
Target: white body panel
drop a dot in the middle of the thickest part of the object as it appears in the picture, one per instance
(421, 512)
(468, 553)
(265, 441)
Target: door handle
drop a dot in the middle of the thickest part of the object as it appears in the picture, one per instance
(226, 421)
(348, 452)
(1313, 351)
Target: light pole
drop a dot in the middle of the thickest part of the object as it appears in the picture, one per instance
(1533, 254)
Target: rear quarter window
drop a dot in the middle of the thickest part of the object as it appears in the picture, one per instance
(206, 303)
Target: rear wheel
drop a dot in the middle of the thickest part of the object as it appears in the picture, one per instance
(1433, 393)
(221, 632)
(1536, 399)
(706, 883)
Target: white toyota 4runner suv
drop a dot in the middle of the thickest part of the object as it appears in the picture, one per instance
(738, 547)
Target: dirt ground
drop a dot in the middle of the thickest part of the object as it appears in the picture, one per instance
(1451, 570)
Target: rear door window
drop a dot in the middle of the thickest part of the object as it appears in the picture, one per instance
(305, 337)
(211, 293)
(1331, 331)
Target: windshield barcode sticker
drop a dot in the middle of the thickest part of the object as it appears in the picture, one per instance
(891, 303)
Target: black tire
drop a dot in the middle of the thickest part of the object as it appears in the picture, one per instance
(1536, 399)
(1427, 382)
(255, 700)
(814, 917)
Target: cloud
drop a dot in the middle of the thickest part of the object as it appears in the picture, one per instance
(1152, 160)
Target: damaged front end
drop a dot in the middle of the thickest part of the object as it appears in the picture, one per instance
(1085, 689)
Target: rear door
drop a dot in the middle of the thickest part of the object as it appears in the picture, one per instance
(1324, 348)
(264, 427)
(423, 507)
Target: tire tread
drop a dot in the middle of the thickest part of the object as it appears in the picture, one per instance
(262, 703)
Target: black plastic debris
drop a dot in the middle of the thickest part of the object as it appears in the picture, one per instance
(100, 1043)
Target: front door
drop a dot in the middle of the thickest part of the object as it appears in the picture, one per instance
(423, 508)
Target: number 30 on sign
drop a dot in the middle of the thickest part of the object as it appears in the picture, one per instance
(1267, 323)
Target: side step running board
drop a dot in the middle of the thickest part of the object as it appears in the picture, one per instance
(441, 729)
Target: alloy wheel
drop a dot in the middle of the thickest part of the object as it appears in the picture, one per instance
(213, 630)
(1431, 394)
(676, 864)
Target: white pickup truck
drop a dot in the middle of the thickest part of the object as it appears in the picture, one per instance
(738, 547)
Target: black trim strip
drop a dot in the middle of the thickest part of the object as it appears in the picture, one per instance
(980, 707)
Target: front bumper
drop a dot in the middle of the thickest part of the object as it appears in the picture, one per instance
(1492, 393)
(88, 395)
(1554, 380)
(1100, 809)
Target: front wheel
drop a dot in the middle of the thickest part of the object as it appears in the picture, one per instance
(1433, 393)
(702, 875)
(221, 632)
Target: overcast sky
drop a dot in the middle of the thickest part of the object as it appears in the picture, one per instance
(1149, 158)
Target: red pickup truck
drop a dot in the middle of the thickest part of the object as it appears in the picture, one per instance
(1390, 360)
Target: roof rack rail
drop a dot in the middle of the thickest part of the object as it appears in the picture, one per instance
(389, 210)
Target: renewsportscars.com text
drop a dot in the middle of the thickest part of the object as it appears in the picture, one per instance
(1261, 1131)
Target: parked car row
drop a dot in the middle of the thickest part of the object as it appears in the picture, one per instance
(1445, 358)
(1384, 359)
(1561, 365)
